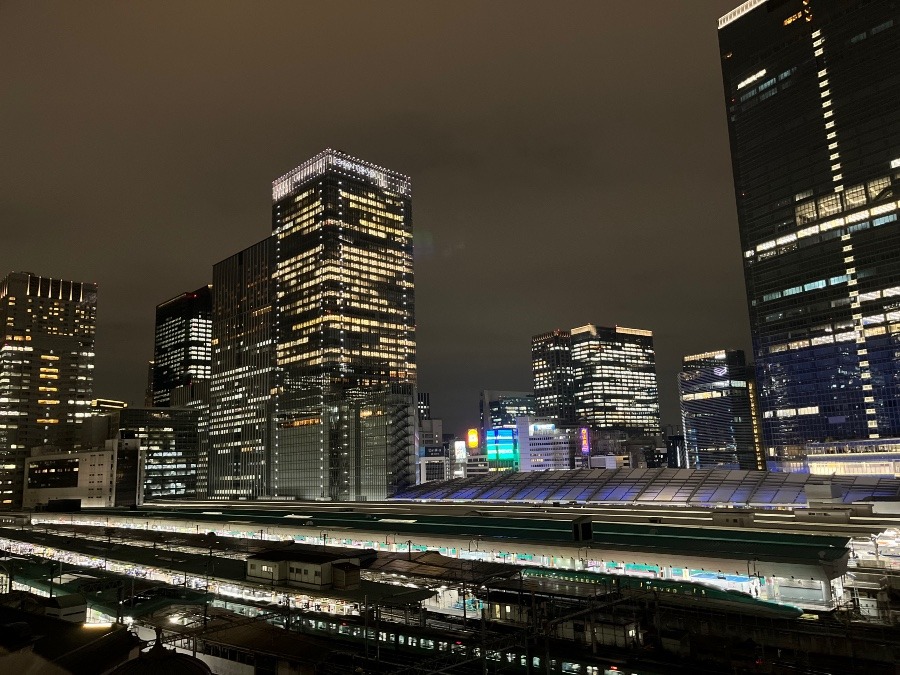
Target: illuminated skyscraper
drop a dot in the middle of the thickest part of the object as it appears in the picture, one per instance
(242, 387)
(812, 92)
(345, 331)
(181, 350)
(716, 411)
(46, 369)
(554, 385)
(614, 373)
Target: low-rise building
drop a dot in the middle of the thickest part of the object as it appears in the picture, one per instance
(545, 447)
(99, 478)
(303, 567)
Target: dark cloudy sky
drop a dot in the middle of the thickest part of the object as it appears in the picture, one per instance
(569, 161)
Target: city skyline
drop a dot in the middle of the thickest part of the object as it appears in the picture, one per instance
(500, 157)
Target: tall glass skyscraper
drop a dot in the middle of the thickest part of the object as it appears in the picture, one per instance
(345, 331)
(46, 369)
(242, 387)
(714, 389)
(812, 89)
(554, 384)
(614, 373)
(181, 349)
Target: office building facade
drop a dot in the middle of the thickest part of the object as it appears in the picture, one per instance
(716, 412)
(98, 478)
(499, 411)
(46, 369)
(554, 384)
(167, 439)
(345, 418)
(545, 447)
(170, 444)
(812, 91)
(423, 405)
(242, 387)
(196, 396)
(614, 376)
(181, 350)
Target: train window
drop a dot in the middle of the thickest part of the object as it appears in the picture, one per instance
(402, 639)
(442, 646)
(425, 643)
(413, 642)
(382, 636)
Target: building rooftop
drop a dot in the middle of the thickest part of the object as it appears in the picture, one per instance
(73, 647)
(159, 659)
(307, 554)
(433, 565)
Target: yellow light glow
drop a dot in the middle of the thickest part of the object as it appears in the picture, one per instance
(472, 438)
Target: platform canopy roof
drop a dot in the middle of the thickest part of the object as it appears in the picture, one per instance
(677, 487)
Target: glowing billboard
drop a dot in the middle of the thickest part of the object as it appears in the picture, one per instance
(472, 438)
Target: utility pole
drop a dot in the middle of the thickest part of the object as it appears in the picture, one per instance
(366, 625)
(484, 663)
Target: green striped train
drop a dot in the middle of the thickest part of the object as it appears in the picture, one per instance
(677, 593)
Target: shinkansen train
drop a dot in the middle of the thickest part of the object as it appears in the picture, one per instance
(669, 592)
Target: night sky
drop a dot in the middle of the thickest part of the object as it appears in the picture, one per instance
(569, 161)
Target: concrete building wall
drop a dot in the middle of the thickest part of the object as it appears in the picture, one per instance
(92, 472)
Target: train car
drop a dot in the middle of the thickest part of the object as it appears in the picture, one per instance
(416, 644)
(675, 593)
